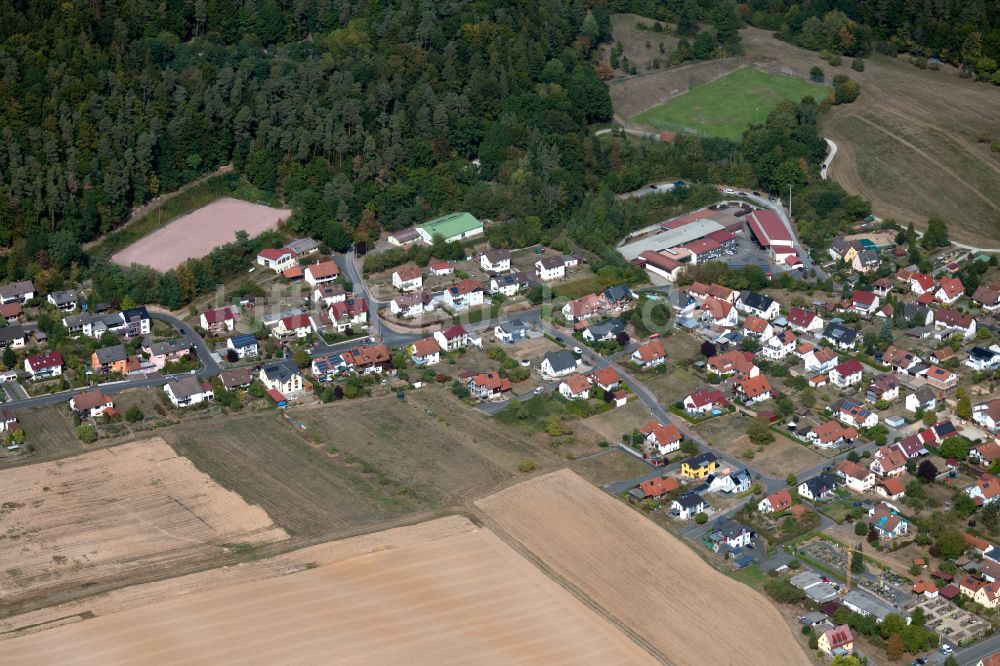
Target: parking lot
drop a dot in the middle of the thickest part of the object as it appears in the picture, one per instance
(951, 622)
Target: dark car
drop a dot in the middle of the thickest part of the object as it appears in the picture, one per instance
(756, 194)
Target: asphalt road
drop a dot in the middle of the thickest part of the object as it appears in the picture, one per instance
(375, 324)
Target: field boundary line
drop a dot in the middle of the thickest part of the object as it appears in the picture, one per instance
(540, 564)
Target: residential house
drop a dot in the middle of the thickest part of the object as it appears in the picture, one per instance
(844, 250)
(950, 289)
(8, 422)
(328, 366)
(987, 414)
(236, 378)
(738, 363)
(168, 351)
(661, 439)
(277, 259)
(17, 292)
(699, 466)
(12, 336)
(704, 400)
(882, 287)
(412, 304)
(753, 390)
(407, 278)
(91, 404)
(983, 593)
(11, 312)
(491, 385)
(426, 351)
(655, 488)
(64, 300)
(558, 363)
(836, 641)
(575, 387)
(818, 488)
(757, 328)
(864, 303)
(321, 273)
(509, 284)
(299, 326)
(701, 291)
(730, 533)
(495, 261)
(452, 338)
(903, 360)
(982, 359)
(283, 377)
(243, 345)
(109, 359)
(883, 387)
(921, 283)
(650, 355)
(888, 462)
(327, 294)
(890, 488)
(606, 379)
(605, 330)
(44, 365)
(719, 313)
(584, 307)
(465, 294)
(776, 502)
(987, 296)
(804, 321)
(550, 268)
(940, 378)
(830, 434)
(985, 491)
(955, 321)
(924, 398)
(688, 505)
(351, 314)
(779, 346)
(847, 373)
(188, 391)
(757, 304)
(509, 332)
(942, 355)
(856, 477)
(840, 336)
(820, 361)
(439, 268)
(866, 261)
(617, 296)
(220, 319)
(293, 274)
(734, 482)
(917, 315)
(137, 322)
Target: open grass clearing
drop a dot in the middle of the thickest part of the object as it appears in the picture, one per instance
(613, 465)
(611, 425)
(673, 385)
(50, 430)
(724, 107)
(778, 459)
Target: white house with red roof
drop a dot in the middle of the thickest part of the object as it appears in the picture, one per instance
(821, 360)
(219, 319)
(804, 321)
(426, 351)
(950, 289)
(847, 373)
(278, 259)
(921, 283)
(704, 400)
(776, 502)
(321, 273)
(757, 328)
(465, 294)
(452, 338)
(864, 302)
(650, 354)
(46, 364)
(719, 313)
(489, 385)
(986, 490)
(606, 379)
(575, 387)
(349, 314)
(779, 346)
(957, 322)
(440, 268)
(735, 362)
(754, 389)
(299, 326)
(407, 278)
(91, 403)
(661, 439)
(888, 461)
(857, 478)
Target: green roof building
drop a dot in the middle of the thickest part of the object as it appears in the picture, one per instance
(453, 227)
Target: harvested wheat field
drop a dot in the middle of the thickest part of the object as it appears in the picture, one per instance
(196, 234)
(438, 593)
(114, 514)
(641, 575)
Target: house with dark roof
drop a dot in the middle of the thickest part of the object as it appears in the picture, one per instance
(605, 330)
(236, 378)
(840, 336)
(688, 505)
(757, 304)
(188, 391)
(558, 363)
(818, 488)
(243, 345)
(283, 376)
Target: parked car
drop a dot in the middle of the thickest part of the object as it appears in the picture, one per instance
(538, 389)
(526, 362)
(945, 649)
(577, 350)
(756, 193)
(730, 190)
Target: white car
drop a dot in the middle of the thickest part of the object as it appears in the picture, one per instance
(945, 649)
(577, 350)
(538, 389)
(526, 362)
(730, 190)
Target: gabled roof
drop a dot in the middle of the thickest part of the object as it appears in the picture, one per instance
(840, 333)
(367, 355)
(800, 317)
(577, 383)
(651, 351)
(323, 270)
(426, 347)
(839, 636)
(466, 286)
(706, 396)
(296, 321)
(606, 376)
(923, 280)
(407, 273)
(453, 332)
(780, 500)
(849, 367)
(45, 360)
(893, 486)
(890, 458)
(274, 254)
(865, 298)
(718, 309)
(987, 294)
(853, 470)
(828, 432)
(493, 382)
(219, 315)
(561, 360)
(953, 318)
(660, 485)
(755, 386)
(663, 433)
(755, 324)
(732, 361)
(756, 301)
(90, 399)
(111, 354)
(951, 286)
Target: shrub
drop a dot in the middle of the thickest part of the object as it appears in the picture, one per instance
(86, 433)
(134, 414)
(860, 528)
(858, 65)
(701, 518)
(526, 466)
(836, 60)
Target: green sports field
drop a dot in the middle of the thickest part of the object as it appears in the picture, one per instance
(725, 106)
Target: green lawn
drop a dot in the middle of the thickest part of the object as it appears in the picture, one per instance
(726, 106)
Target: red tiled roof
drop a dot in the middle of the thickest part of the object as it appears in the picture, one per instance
(577, 383)
(893, 486)
(951, 286)
(707, 396)
(323, 269)
(658, 260)
(90, 399)
(275, 253)
(407, 273)
(45, 360)
(659, 486)
(292, 273)
(780, 500)
(865, 298)
(606, 376)
(755, 386)
(839, 636)
(849, 367)
(651, 351)
(296, 321)
(800, 317)
(492, 382)
(426, 347)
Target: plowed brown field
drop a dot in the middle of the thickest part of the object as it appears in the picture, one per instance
(641, 575)
(443, 592)
(112, 514)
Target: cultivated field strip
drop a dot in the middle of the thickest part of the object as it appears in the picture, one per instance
(641, 575)
(461, 598)
(109, 514)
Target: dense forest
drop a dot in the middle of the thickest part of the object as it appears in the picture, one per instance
(360, 116)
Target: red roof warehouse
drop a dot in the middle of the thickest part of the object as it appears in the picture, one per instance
(768, 229)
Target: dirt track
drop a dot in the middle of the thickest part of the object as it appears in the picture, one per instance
(114, 513)
(437, 593)
(642, 575)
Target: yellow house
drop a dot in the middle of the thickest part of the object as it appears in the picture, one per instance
(983, 593)
(700, 466)
(838, 640)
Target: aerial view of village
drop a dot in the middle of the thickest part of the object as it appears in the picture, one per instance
(629, 332)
